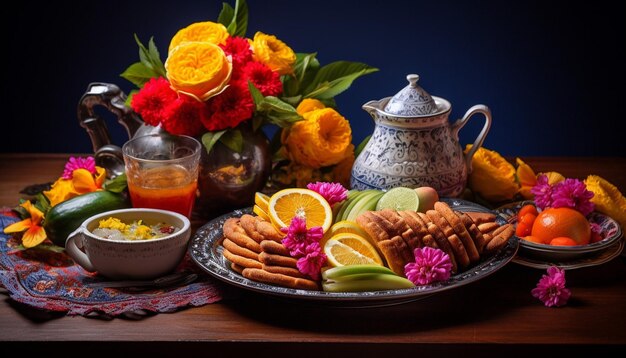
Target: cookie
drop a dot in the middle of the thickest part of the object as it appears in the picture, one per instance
(443, 243)
(278, 260)
(235, 233)
(241, 261)
(279, 279)
(287, 271)
(273, 247)
(249, 224)
(481, 218)
(238, 250)
(476, 235)
(500, 239)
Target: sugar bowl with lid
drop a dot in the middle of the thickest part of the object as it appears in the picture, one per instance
(414, 144)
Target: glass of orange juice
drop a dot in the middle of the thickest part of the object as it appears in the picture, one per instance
(162, 171)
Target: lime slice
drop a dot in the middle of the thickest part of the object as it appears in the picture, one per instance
(399, 198)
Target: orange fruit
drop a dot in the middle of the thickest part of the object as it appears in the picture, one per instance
(534, 239)
(563, 241)
(289, 203)
(556, 222)
(526, 209)
(346, 248)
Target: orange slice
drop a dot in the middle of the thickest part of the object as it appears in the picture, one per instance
(261, 213)
(262, 200)
(289, 203)
(350, 249)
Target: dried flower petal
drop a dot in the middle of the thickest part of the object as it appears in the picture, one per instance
(551, 288)
(332, 192)
(431, 265)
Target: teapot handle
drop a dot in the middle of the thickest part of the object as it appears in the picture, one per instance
(107, 155)
(456, 127)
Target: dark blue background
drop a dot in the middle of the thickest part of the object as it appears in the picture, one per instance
(552, 74)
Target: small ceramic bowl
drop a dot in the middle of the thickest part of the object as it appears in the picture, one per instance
(610, 231)
(135, 260)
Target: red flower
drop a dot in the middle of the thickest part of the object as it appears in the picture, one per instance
(230, 108)
(240, 51)
(266, 80)
(152, 99)
(183, 116)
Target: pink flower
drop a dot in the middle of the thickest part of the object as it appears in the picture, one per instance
(542, 192)
(431, 265)
(551, 288)
(74, 163)
(572, 193)
(312, 261)
(332, 192)
(299, 237)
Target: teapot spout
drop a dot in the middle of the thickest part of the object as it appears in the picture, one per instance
(371, 107)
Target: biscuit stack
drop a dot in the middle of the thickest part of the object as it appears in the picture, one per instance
(254, 248)
(465, 237)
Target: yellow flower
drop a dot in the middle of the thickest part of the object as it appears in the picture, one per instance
(492, 177)
(526, 178)
(207, 31)
(274, 53)
(35, 233)
(607, 198)
(553, 177)
(82, 182)
(198, 69)
(323, 138)
(308, 105)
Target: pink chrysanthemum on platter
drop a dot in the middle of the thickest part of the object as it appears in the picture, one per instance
(312, 261)
(431, 265)
(74, 163)
(299, 237)
(551, 288)
(573, 193)
(332, 192)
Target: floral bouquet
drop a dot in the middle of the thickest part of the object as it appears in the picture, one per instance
(216, 82)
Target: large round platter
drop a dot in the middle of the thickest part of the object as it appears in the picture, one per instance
(206, 250)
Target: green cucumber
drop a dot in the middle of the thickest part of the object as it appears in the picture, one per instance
(67, 216)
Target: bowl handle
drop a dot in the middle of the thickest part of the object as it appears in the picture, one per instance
(74, 246)
(456, 126)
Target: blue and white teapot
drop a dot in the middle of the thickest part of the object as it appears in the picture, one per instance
(414, 144)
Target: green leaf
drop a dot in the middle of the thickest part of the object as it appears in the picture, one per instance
(233, 140)
(138, 74)
(292, 100)
(362, 145)
(304, 70)
(257, 122)
(150, 58)
(226, 15)
(335, 78)
(42, 203)
(129, 98)
(155, 58)
(235, 20)
(210, 138)
(257, 96)
(117, 184)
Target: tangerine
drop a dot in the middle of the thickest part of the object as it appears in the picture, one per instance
(534, 239)
(563, 241)
(556, 222)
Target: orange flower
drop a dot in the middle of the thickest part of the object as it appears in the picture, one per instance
(322, 139)
(35, 234)
(526, 178)
(308, 105)
(492, 177)
(206, 31)
(273, 52)
(82, 182)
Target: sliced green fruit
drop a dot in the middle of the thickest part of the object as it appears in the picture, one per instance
(353, 202)
(399, 198)
(366, 203)
(337, 273)
(376, 282)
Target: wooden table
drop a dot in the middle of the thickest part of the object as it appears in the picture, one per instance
(494, 316)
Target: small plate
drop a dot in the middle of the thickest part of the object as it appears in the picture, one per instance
(206, 250)
(540, 256)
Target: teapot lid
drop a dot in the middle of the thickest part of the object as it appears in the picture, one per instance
(412, 100)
